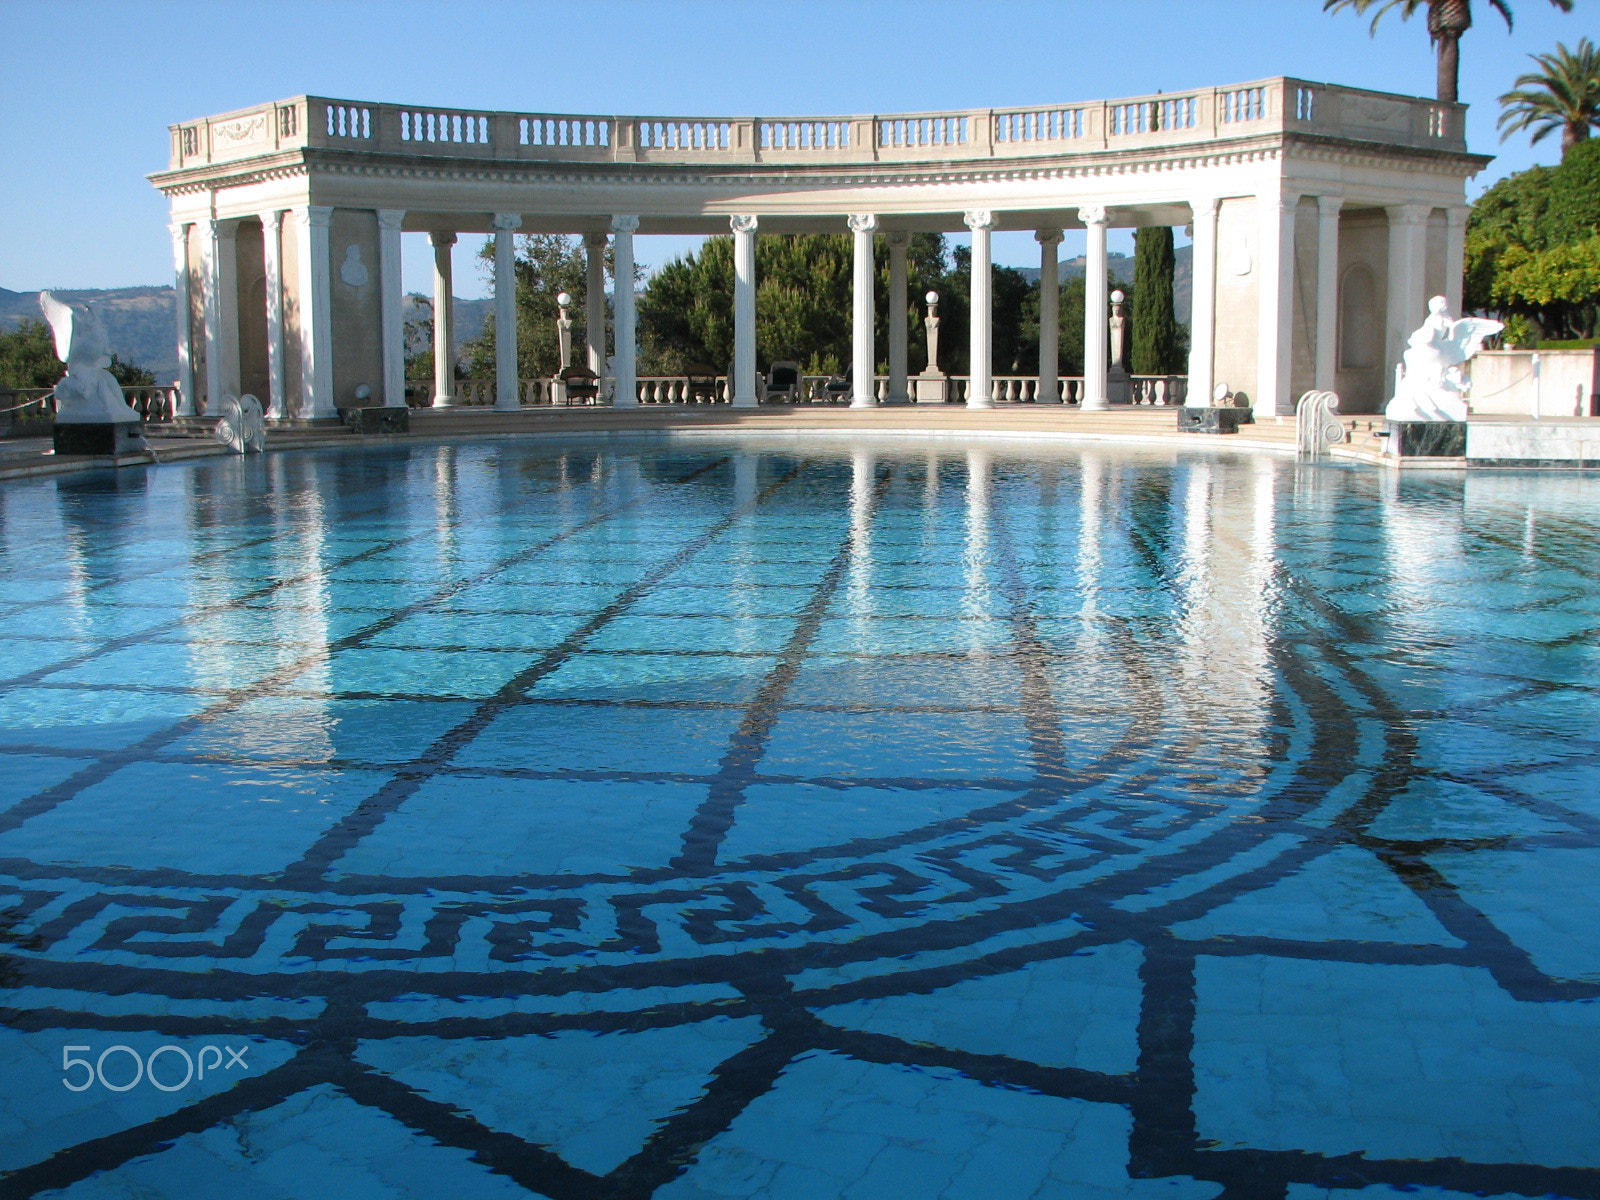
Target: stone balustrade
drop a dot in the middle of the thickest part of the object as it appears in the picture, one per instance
(1153, 390)
(1208, 114)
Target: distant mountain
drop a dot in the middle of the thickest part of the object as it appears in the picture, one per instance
(1120, 267)
(139, 322)
(142, 328)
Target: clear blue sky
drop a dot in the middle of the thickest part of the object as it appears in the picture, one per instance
(91, 85)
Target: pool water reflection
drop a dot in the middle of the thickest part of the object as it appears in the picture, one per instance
(801, 820)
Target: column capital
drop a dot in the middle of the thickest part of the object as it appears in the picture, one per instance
(1283, 203)
(1204, 207)
(506, 222)
(226, 228)
(1456, 215)
(978, 218)
(1047, 237)
(390, 218)
(594, 240)
(898, 239)
(315, 216)
(743, 222)
(272, 218)
(1408, 214)
(1093, 214)
(624, 224)
(442, 237)
(863, 222)
(1329, 206)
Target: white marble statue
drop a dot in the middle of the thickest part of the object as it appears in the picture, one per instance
(1429, 385)
(87, 393)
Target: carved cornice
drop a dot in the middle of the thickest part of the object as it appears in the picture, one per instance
(1118, 164)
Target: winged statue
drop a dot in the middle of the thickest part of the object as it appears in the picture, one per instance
(1429, 384)
(87, 393)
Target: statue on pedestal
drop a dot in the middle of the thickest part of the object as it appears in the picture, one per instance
(1429, 385)
(88, 394)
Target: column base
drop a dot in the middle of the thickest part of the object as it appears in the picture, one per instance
(1094, 406)
(980, 403)
(744, 402)
(859, 402)
(443, 402)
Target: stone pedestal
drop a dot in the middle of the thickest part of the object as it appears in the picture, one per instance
(99, 437)
(1225, 419)
(377, 419)
(1427, 439)
(931, 388)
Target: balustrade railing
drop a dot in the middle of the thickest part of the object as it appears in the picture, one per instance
(1144, 391)
(1265, 106)
(155, 402)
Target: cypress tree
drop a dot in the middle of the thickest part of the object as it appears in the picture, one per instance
(1157, 343)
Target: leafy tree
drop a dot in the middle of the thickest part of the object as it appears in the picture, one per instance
(546, 265)
(28, 360)
(1447, 21)
(1563, 95)
(1531, 242)
(1157, 340)
(803, 303)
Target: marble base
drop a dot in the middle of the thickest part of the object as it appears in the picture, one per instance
(1225, 419)
(1427, 439)
(377, 420)
(99, 437)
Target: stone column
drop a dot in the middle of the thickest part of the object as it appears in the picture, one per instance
(980, 372)
(1327, 291)
(1095, 330)
(505, 311)
(1049, 389)
(182, 299)
(272, 258)
(1275, 303)
(316, 313)
(898, 332)
(594, 300)
(742, 387)
(1408, 305)
(444, 319)
(1203, 311)
(863, 351)
(220, 252)
(392, 299)
(624, 319)
(1455, 255)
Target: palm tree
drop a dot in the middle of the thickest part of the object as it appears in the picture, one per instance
(1564, 94)
(1447, 21)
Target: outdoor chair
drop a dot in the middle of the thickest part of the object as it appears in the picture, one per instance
(840, 387)
(582, 384)
(702, 382)
(783, 383)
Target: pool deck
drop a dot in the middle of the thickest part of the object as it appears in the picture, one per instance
(26, 457)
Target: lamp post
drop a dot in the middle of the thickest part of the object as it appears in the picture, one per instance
(931, 384)
(1119, 389)
(558, 386)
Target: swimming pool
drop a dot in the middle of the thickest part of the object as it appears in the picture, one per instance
(798, 819)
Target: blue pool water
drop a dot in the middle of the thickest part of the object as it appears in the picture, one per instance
(800, 820)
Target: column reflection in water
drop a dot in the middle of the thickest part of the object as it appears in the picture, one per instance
(1224, 584)
(975, 557)
(858, 583)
